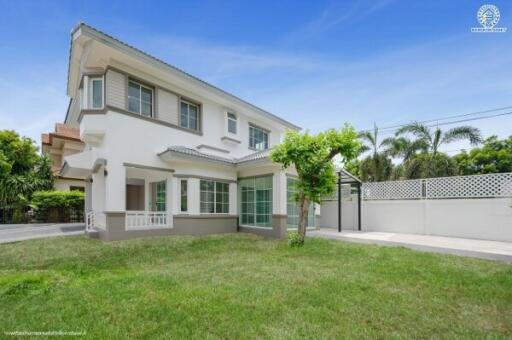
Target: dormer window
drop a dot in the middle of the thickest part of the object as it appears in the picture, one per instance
(232, 123)
(140, 99)
(95, 88)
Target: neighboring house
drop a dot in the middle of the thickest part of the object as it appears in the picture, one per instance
(167, 153)
(64, 141)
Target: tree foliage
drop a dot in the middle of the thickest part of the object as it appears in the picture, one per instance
(375, 168)
(427, 166)
(58, 206)
(494, 156)
(312, 155)
(378, 165)
(431, 139)
(22, 171)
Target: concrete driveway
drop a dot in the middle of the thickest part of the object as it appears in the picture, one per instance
(493, 250)
(20, 232)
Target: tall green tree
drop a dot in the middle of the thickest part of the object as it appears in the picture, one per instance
(312, 155)
(494, 156)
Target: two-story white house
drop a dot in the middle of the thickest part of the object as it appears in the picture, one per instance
(168, 153)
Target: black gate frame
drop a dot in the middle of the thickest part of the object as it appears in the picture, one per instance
(345, 177)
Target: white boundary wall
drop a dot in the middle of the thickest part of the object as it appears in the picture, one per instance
(477, 207)
(486, 218)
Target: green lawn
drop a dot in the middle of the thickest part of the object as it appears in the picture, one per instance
(243, 286)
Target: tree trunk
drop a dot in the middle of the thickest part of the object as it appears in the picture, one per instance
(303, 216)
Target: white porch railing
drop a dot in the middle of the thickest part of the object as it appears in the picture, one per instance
(145, 220)
(94, 220)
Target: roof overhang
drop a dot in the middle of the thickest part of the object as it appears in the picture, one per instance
(81, 165)
(85, 38)
(346, 177)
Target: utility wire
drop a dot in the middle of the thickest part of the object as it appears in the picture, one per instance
(396, 127)
(446, 123)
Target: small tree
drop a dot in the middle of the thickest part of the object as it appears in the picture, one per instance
(312, 155)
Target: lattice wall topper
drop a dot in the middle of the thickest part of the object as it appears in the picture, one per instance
(490, 185)
(395, 190)
(476, 186)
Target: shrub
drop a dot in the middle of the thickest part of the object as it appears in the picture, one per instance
(295, 239)
(58, 206)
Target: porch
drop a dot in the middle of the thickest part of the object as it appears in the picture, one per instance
(144, 193)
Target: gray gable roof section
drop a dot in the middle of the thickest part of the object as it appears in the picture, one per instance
(191, 153)
(93, 32)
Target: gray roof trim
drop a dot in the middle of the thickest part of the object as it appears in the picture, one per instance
(194, 154)
(93, 32)
(346, 174)
(183, 151)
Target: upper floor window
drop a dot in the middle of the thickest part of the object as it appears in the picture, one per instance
(258, 138)
(189, 117)
(95, 92)
(140, 99)
(232, 123)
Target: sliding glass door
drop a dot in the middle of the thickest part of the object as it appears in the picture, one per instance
(256, 201)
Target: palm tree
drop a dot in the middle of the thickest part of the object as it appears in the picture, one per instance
(377, 166)
(433, 139)
(429, 140)
(405, 148)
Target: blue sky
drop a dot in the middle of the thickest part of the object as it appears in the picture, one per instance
(316, 63)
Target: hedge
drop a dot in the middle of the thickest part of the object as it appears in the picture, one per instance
(58, 206)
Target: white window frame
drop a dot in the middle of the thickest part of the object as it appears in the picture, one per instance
(90, 92)
(140, 98)
(233, 119)
(214, 197)
(198, 110)
(251, 126)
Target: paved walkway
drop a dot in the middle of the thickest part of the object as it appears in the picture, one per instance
(451, 245)
(20, 232)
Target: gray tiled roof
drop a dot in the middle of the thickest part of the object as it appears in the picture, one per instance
(228, 161)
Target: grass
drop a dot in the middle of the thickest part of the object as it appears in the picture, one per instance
(243, 286)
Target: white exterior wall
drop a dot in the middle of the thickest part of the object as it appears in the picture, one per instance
(167, 106)
(486, 218)
(329, 218)
(64, 184)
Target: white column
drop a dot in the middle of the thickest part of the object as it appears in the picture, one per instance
(175, 196)
(98, 191)
(279, 193)
(147, 196)
(193, 196)
(88, 195)
(233, 198)
(115, 187)
(170, 192)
